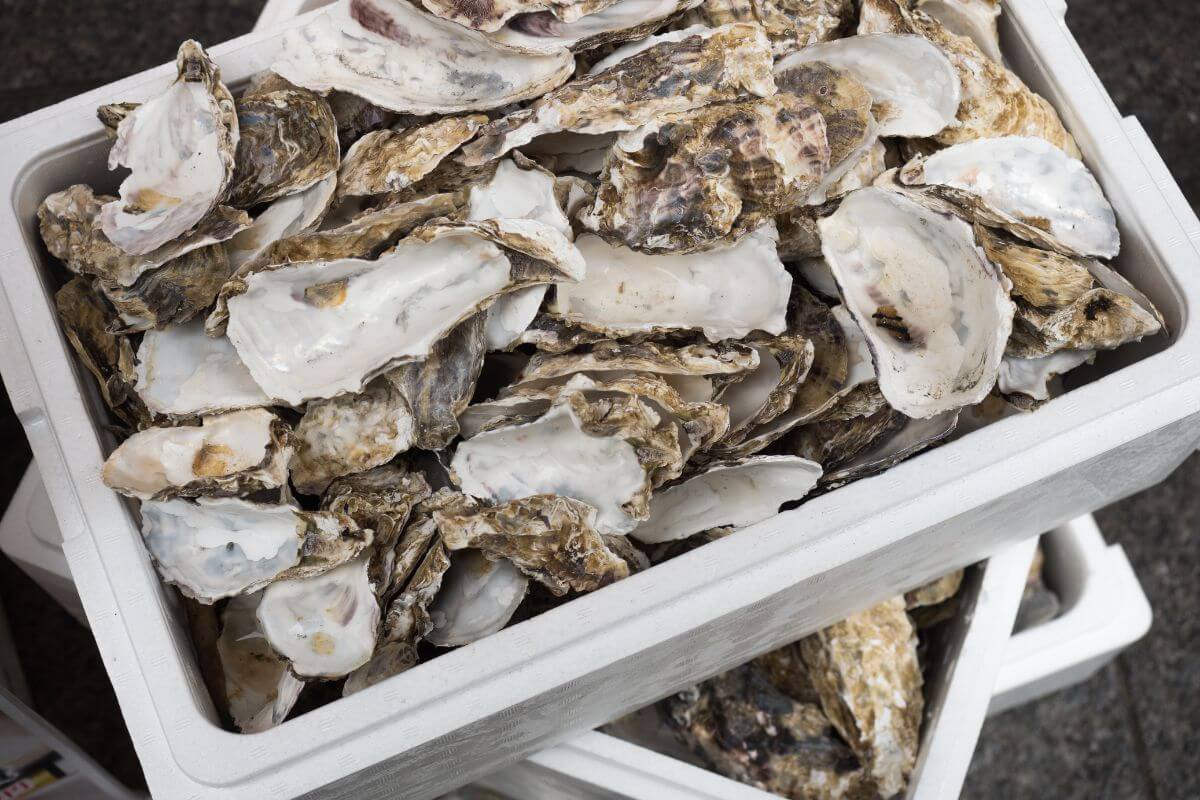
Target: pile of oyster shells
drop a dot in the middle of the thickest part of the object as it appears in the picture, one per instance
(464, 308)
(837, 714)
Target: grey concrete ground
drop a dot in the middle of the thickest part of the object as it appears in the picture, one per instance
(1131, 732)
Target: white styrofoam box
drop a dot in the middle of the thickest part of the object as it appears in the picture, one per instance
(959, 675)
(1129, 424)
(1104, 610)
(276, 10)
(30, 536)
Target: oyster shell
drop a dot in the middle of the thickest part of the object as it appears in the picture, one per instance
(478, 597)
(492, 16)
(283, 218)
(541, 32)
(866, 671)
(171, 190)
(798, 234)
(934, 592)
(726, 292)
(915, 89)
(171, 294)
(220, 547)
(365, 47)
(747, 729)
(1026, 186)
(315, 330)
(845, 104)
(70, 227)
(87, 322)
(1061, 305)
(689, 181)
(735, 494)
(238, 453)
(790, 24)
(995, 101)
(181, 372)
(974, 19)
(601, 452)
(551, 539)
(897, 438)
(287, 141)
(768, 390)
(259, 687)
(706, 67)
(392, 160)
(1030, 376)
(564, 153)
(324, 625)
(909, 275)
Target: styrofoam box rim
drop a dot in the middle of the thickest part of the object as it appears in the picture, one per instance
(127, 607)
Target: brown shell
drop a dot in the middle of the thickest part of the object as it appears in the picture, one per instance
(995, 102)
(835, 442)
(793, 356)
(547, 537)
(490, 15)
(790, 24)
(171, 294)
(866, 672)
(390, 161)
(723, 358)
(934, 592)
(709, 175)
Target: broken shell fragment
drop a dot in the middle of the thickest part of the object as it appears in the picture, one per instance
(707, 67)
(238, 453)
(364, 47)
(909, 275)
(726, 292)
(867, 674)
(551, 539)
(389, 160)
(172, 189)
(1026, 186)
(696, 179)
(914, 87)
(259, 687)
(478, 597)
(324, 625)
(734, 494)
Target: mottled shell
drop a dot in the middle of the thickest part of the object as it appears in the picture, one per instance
(541, 32)
(390, 161)
(492, 14)
(690, 181)
(171, 294)
(790, 24)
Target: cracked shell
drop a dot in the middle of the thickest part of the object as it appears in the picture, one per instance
(908, 276)
(673, 76)
(689, 181)
(551, 539)
(259, 687)
(173, 189)
(365, 47)
(238, 453)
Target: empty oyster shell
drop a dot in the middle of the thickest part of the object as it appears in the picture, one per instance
(915, 89)
(69, 222)
(287, 141)
(551, 539)
(688, 181)
(768, 390)
(850, 127)
(319, 329)
(995, 101)
(171, 294)
(541, 32)
(259, 687)
(221, 547)
(392, 160)
(478, 597)
(1026, 186)
(706, 67)
(87, 323)
(726, 292)
(181, 372)
(602, 452)
(365, 47)
(790, 24)
(975, 19)
(747, 729)
(1060, 305)
(492, 16)
(171, 190)
(285, 217)
(735, 494)
(1030, 376)
(895, 439)
(324, 625)
(908, 275)
(866, 672)
(238, 453)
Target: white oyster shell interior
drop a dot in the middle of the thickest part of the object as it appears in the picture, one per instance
(284, 217)
(260, 688)
(726, 292)
(478, 597)
(735, 495)
(1031, 376)
(325, 626)
(935, 312)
